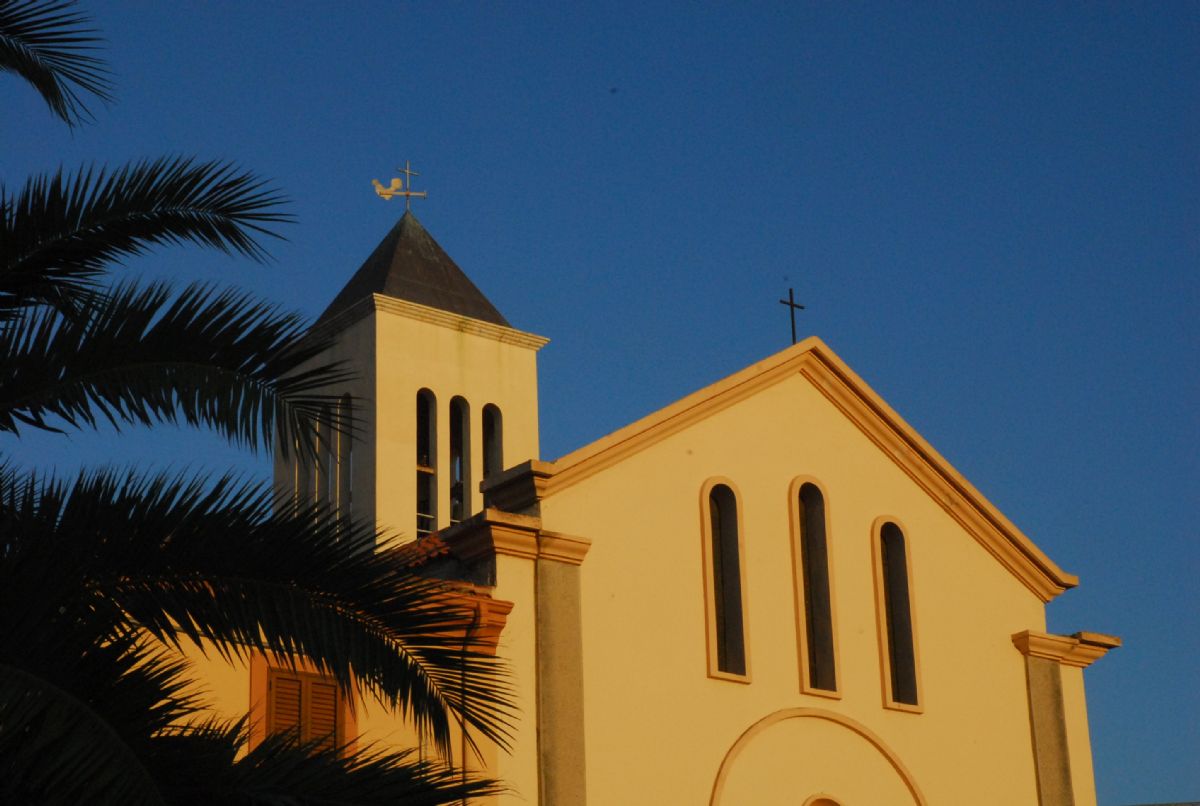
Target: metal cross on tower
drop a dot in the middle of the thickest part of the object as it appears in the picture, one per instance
(397, 187)
(793, 306)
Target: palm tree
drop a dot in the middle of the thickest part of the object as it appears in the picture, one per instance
(104, 576)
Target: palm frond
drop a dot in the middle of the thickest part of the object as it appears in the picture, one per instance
(50, 45)
(141, 355)
(59, 233)
(211, 563)
(76, 713)
(198, 767)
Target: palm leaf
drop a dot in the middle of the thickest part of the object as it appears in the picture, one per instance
(59, 233)
(77, 709)
(141, 355)
(211, 563)
(50, 46)
(200, 768)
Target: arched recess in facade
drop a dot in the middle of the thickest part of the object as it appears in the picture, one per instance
(812, 713)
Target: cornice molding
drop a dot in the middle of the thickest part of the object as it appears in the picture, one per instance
(519, 488)
(1081, 649)
(328, 328)
(453, 321)
(494, 532)
(813, 360)
(484, 618)
(423, 313)
(562, 548)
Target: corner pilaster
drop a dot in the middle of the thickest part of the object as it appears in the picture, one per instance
(549, 563)
(1062, 749)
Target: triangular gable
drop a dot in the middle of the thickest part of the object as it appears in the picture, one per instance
(813, 359)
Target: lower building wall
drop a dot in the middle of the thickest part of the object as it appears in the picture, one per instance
(1079, 741)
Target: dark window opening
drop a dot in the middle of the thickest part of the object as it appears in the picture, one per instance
(345, 453)
(898, 611)
(426, 462)
(304, 476)
(493, 440)
(727, 581)
(818, 615)
(326, 466)
(460, 460)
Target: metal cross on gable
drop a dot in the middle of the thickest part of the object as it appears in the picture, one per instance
(793, 306)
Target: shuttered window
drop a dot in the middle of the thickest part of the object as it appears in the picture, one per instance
(307, 704)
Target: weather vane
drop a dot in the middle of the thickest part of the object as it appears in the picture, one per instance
(793, 306)
(397, 188)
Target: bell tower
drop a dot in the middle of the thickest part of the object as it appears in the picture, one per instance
(444, 391)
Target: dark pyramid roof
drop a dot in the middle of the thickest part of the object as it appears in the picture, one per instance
(408, 264)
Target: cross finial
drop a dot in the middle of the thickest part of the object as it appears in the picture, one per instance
(793, 306)
(397, 187)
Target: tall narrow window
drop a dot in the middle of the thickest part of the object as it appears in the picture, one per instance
(426, 462)
(818, 611)
(493, 440)
(460, 459)
(325, 469)
(345, 453)
(303, 475)
(897, 607)
(726, 628)
(307, 471)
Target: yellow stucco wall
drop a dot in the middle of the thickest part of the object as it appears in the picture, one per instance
(1079, 741)
(657, 727)
(649, 698)
(518, 769)
(439, 353)
(396, 348)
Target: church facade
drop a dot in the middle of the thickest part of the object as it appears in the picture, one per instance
(772, 591)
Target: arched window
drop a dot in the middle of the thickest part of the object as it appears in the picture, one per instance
(460, 459)
(426, 462)
(345, 453)
(726, 603)
(493, 440)
(325, 481)
(302, 484)
(308, 472)
(817, 619)
(898, 635)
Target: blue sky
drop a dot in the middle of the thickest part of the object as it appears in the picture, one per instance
(992, 212)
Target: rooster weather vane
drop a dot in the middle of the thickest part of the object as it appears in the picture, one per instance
(396, 188)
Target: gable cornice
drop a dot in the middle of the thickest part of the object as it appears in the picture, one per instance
(423, 313)
(454, 321)
(818, 364)
(1080, 649)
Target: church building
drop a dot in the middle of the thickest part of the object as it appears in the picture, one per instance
(772, 591)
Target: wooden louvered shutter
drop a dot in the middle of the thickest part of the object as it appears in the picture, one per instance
(322, 713)
(305, 703)
(286, 703)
